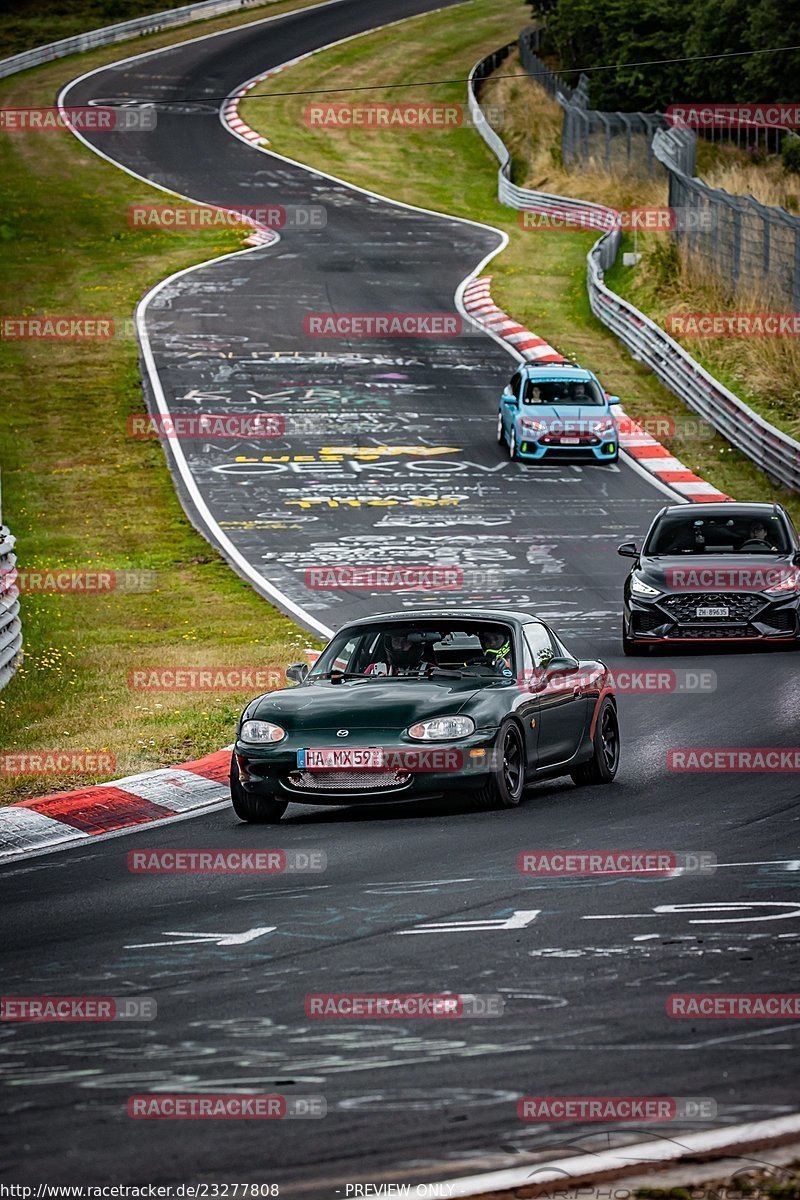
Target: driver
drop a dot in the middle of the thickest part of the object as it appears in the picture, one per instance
(496, 646)
(758, 533)
(401, 656)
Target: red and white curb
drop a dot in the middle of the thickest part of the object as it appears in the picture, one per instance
(478, 303)
(657, 459)
(647, 452)
(563, 1175)
(230, 109)
(76, 817)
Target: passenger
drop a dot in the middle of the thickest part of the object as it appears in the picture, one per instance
(496, 647)
(401, 656)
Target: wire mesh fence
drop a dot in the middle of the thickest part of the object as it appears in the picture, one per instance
(750, 247)
(613, 140)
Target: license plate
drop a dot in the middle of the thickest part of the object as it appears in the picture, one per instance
(712, 612)
(570, 441)
(340, 759)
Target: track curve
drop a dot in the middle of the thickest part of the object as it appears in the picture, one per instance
(585, 982)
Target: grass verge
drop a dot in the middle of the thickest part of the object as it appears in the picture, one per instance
(79, 493)
(540, 277)
(27, 23)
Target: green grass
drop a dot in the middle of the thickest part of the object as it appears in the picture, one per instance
(540, 278)
(78, 492)
(30, 23)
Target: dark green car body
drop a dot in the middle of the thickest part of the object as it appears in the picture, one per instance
(553, 713)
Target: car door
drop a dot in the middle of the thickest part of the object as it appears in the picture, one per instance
(563, 706)
(509, 402)
(526, 707)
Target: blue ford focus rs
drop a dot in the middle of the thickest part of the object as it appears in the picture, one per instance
(549, 412)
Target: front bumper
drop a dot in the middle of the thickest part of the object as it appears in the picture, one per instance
(600, 448)
(753, 617)
(413, 770)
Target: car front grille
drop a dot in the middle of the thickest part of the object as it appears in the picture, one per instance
(648, 620)
(782, 621)
(742, 606)
(729, 632)
(347, 781)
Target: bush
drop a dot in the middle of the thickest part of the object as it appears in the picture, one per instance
(790, 153)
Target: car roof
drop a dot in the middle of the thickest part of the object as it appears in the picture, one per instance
(469, 614)
(557, 370)
(728, 508)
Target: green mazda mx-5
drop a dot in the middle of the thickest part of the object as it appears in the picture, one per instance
(421, 704)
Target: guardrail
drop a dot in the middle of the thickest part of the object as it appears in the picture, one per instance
(10, 623)
(109, 34)
(777, 454)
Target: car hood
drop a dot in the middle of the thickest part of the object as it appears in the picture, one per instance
(552, 414)
(363, 704)
(715, 572)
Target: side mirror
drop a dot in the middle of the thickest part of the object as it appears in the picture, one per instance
(510, 398)
(614, 400)
(628, 550)
(562, 664)
(297, 672)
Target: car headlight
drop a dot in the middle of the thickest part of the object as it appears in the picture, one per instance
(531, 426)
(261, 731)
(640, 588)
(603, 426)
(442, 729)
(785, 586)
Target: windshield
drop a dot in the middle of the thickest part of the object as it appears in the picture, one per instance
(744, 533)
(420, 648)
(562, 391)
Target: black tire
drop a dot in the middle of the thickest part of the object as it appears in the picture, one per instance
(602, 767)
(501, 438)
(255, 809)
(505, 787)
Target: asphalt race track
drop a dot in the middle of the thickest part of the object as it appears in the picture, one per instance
(585, 971)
